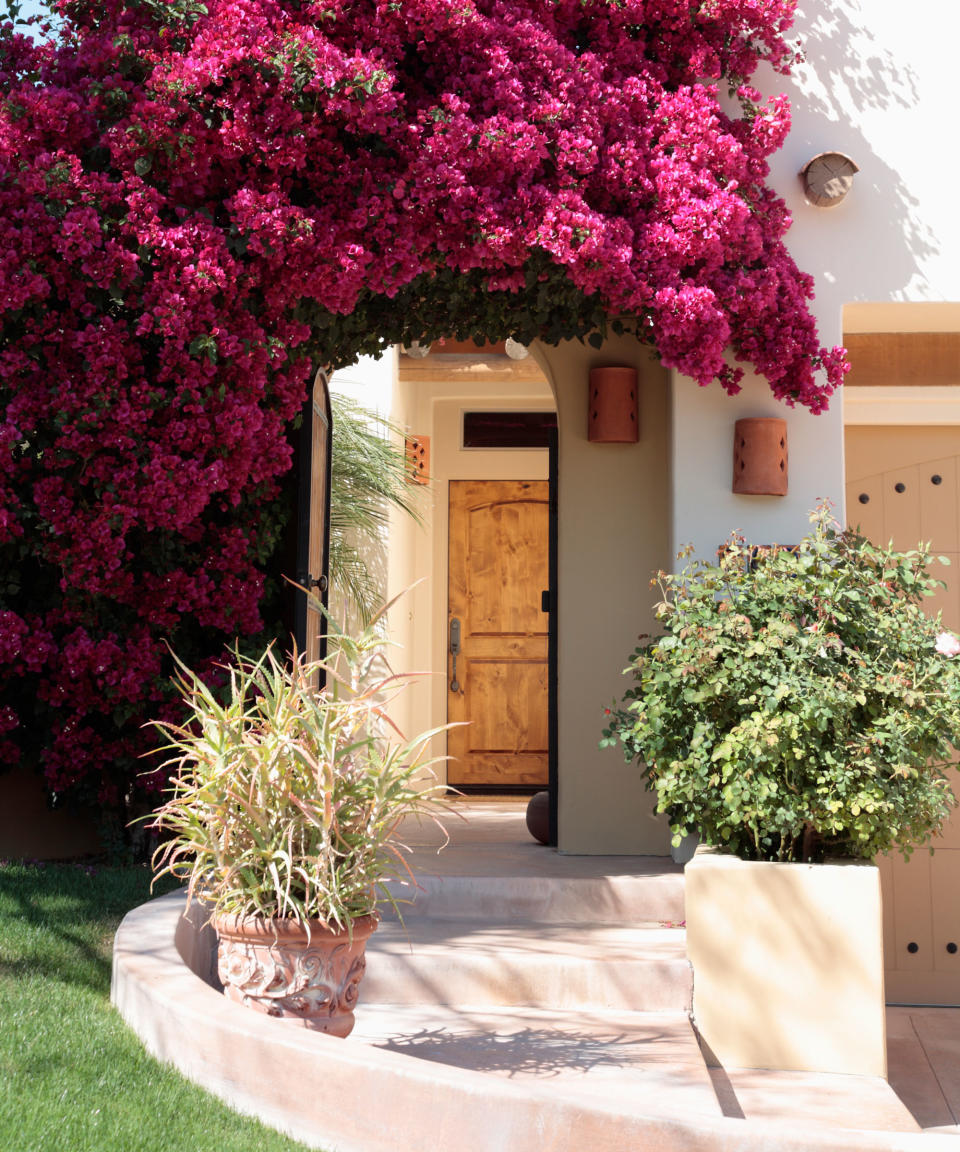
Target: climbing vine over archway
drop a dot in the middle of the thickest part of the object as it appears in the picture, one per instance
(201, 202)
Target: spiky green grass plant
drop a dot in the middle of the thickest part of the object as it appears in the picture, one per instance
(73, 1077)
(286, 801)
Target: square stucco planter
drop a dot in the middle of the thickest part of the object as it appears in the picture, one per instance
(787, 964)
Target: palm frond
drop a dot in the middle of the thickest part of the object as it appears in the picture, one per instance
(368, 479)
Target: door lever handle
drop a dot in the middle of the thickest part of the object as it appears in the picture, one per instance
(454, 652)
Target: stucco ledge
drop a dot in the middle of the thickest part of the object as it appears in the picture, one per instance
(345, 1096)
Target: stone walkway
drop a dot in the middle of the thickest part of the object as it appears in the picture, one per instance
(923, 1064)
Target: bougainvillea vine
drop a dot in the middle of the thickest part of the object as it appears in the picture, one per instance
(200, 203)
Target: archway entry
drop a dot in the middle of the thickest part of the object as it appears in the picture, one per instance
(613, 513)
(485, 420)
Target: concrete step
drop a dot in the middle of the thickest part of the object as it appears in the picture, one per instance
(495, 1079)
(566, 897)
(643, 968)
(645, 1061)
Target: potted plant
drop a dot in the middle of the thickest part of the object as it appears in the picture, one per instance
(283, 813)
(798, 708)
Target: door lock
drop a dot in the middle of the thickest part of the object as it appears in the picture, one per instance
(454, 652)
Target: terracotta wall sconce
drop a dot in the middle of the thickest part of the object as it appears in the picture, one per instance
(613, 416)
(417, 449)
(760, 456)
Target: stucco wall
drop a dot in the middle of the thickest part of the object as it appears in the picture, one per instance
(613, 534)
(875, 85)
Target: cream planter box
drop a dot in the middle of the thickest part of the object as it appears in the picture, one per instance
(787, 963)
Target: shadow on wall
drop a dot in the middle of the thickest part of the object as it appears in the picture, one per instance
(847, 79)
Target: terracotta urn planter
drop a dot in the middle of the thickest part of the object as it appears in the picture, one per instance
(275, 968)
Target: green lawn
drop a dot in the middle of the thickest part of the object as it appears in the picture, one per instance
(73, 1077)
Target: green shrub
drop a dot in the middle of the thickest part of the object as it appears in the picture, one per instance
(799, 703)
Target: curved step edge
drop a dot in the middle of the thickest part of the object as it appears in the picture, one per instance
(344, 1096)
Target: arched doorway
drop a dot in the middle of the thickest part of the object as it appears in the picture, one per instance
(482, 561)
(614, 531)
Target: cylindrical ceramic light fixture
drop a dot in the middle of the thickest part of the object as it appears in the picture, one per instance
(613, 416)
(760, 456)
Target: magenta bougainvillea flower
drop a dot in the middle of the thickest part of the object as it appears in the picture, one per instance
(201, 202)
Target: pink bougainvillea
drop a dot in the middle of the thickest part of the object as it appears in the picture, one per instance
(201, 202)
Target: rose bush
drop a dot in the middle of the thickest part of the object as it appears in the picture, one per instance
(201, 202)
(799, 702)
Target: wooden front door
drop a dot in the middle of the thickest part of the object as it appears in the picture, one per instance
(498, 571)
(903, 485)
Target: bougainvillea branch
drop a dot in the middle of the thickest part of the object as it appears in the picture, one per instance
(201, 202)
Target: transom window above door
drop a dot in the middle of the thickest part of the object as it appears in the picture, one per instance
(507, 429)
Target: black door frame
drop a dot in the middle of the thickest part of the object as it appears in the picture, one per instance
(553, 775)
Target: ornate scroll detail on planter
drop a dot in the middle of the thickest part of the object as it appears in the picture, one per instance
(272, 966)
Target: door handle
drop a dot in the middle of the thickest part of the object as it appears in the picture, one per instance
(454, 652)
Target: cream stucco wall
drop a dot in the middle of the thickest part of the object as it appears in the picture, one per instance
(875, 84)
(613, 534)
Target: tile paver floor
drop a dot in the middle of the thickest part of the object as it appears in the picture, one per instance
(923, 1054)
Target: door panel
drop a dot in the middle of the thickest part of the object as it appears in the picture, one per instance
(938, 509)
(313, 520)
(945, 911)
(912, 913)
(902, 487)
(498, 569)
(319, 547)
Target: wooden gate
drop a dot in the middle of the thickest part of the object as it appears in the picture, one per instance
(903, 485)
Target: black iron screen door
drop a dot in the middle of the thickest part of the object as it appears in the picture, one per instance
(553, 719)
(313, 520)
